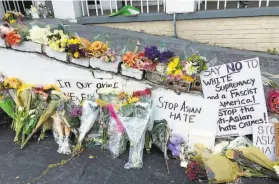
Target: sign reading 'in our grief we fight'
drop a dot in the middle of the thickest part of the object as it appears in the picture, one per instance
(81, 89)
(239, 88)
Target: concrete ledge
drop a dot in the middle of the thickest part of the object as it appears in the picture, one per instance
(208, 14)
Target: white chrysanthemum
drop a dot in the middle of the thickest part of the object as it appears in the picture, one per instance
(218, 148)
(39, 35)
(190, 69)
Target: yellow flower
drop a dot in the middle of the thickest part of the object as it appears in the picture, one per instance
(97, 45)
(12, 21)
(76, 54)
(177, 72)
(51, 87)
(7, 15)
(125, 103)
(101, 102)
(176, 61)
(133, 100)
(13, 83)
(104, 48)
(188, 78)
(24, 87)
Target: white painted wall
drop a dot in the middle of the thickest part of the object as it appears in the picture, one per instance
(39, 69)
(68, 10)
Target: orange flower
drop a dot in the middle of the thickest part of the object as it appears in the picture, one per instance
(129, 59)
(13, 38)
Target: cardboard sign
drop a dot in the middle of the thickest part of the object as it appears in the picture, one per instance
(276, 132)
(264, 138)
(80, 89)
(185, 112)
(238, 86)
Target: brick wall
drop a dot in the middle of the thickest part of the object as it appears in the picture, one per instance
(250, 33)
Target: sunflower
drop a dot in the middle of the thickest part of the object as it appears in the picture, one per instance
(13, 83)
(97, 45)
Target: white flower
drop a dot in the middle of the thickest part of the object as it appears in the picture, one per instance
(20, 109)
(34, 9)
(190, 69)
(39, 35)
(239, 142)
(276, 168)
(32, 116)
(32, 111)
(218, 148)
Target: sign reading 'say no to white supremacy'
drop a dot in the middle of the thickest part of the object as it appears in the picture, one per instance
(239, 88)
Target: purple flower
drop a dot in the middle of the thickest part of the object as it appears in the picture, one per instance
(152, 53)
(77, 111)
(165, 56)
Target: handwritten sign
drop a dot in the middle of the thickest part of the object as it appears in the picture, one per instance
(264, 138)
(185, 111)
(239, 88)
(80, 89)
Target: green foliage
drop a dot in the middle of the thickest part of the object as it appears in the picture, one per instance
(272, 51)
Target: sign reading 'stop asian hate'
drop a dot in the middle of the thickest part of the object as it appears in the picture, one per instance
(238, 86)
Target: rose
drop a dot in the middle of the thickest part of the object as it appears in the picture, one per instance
(273, 100)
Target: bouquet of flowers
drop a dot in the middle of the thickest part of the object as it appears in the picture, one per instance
(186, 70)
(38, 105)
(57, 40)
(53, 102)
(109, 55)
(117, 137)
(13, 38)
(39, 35)
(75, 48)
(90, 113)
(107, 96)
(12, 17)
(134, 115)
(4, 30)
(151, 56)
(273, 100)
(7, 104)
(97, 49)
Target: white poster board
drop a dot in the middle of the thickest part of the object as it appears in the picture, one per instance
(264, 138)
(80, 89)
(185, 113)
(239, 88)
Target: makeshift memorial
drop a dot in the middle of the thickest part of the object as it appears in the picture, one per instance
(12, 17)
(90, 113)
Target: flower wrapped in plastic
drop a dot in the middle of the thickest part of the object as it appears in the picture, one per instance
(117, 138)
(135, 116)
(7, 104)
(90, 113)
(13, 38)
(75, 48)
(70, 113)
(38, 105)
(13, 17)
(106, 96)
(39, 35)
(109, 55)
(54, 101)
(4, 30)
(97, 49)
(61, 134)
(273, 100)
(57, 40)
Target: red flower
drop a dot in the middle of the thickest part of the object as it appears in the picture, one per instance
(273, 100)
(194, 171)
(142, 93)
(13, 38)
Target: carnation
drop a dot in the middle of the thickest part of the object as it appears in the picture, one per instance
(39, 35)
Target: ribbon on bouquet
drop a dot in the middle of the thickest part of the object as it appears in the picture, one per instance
(115, 117)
